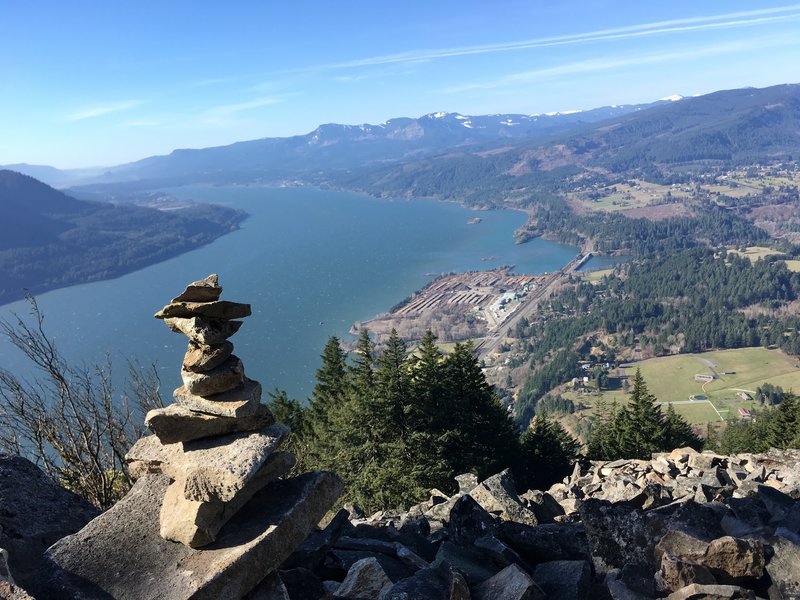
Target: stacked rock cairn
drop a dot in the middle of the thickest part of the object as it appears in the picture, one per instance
(217, 442)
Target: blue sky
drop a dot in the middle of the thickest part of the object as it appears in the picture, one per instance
(101, 83)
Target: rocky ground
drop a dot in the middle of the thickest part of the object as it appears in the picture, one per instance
(684, 525)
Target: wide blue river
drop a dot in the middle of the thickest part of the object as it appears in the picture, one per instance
(311, 262)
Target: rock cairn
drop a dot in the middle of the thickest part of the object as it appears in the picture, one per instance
(210, 479)
(217, 442)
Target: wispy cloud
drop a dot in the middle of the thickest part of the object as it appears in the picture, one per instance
(229, 109)
(732, 20)
(140, 123)
(607, 64)
(99, 110)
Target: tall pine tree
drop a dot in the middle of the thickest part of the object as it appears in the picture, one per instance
(640, 426)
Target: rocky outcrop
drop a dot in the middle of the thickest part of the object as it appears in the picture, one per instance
(35, 512)
(610, 530)
(212, 513)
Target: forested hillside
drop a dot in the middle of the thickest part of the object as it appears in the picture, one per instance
(689, 301)
(49, 239)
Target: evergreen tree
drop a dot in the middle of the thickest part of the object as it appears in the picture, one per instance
(678, 433)
(603, 440)
(428, 417)
(291, 413)
(481, 436)
(331, 385)
(639, 427)
(784, 427)
(547, 454)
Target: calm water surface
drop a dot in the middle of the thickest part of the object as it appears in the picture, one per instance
(310, 262)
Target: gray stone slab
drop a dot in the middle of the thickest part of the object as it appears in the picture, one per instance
(221, 309)
(202, 290)
(175, 423)
(203, 330)
(214, 469)
(200, 359)
(120, 554)
(197, 524)
(239, 402)
(223, 378)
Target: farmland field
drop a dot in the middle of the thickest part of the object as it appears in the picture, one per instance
(671, 379)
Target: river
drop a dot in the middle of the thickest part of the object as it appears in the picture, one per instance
(311, 262)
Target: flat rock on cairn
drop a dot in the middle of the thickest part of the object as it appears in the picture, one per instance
(212, 513)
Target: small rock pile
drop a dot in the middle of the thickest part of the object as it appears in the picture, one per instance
(211, 514)
(680, 474)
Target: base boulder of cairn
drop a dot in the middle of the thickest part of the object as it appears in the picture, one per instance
(212, 513)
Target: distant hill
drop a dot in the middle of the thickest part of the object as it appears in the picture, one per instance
(49, 239)
(51, 175)
(733, 126)
(335, 148)
(726, 128)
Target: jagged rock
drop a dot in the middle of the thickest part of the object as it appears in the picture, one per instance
(225, 377)
(200, 359)
(750, 516)
(498, 495)
(618, 590)
(258, 538)
(409, 557)
(676, 573)
(638, 579)
(704, 461)
(681, 544)
(302, 584)
(311, 553)
(728, 556)
(239, 402)
(784, 567)
(202, 330)
(270, 588)
(35, 512)
(469, 561)
(543, 505)
(176, 423)
(512, 583)
(395, 569)
(546, 542)
(214, 469)
(777, 504)
(618, 534)
(366, 580)
(197, 524)
(9, 590)
(500, 553)
(441, 582)
(468, 520)
(202, 290)
(698, 591)
(366, 545)
(466, 482)
(564, 579)
(441, 511)
(662, 466)
(220, 309)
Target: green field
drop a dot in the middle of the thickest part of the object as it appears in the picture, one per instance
(671, 379)
(794, 265)
(756, 252)
(595, 276)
